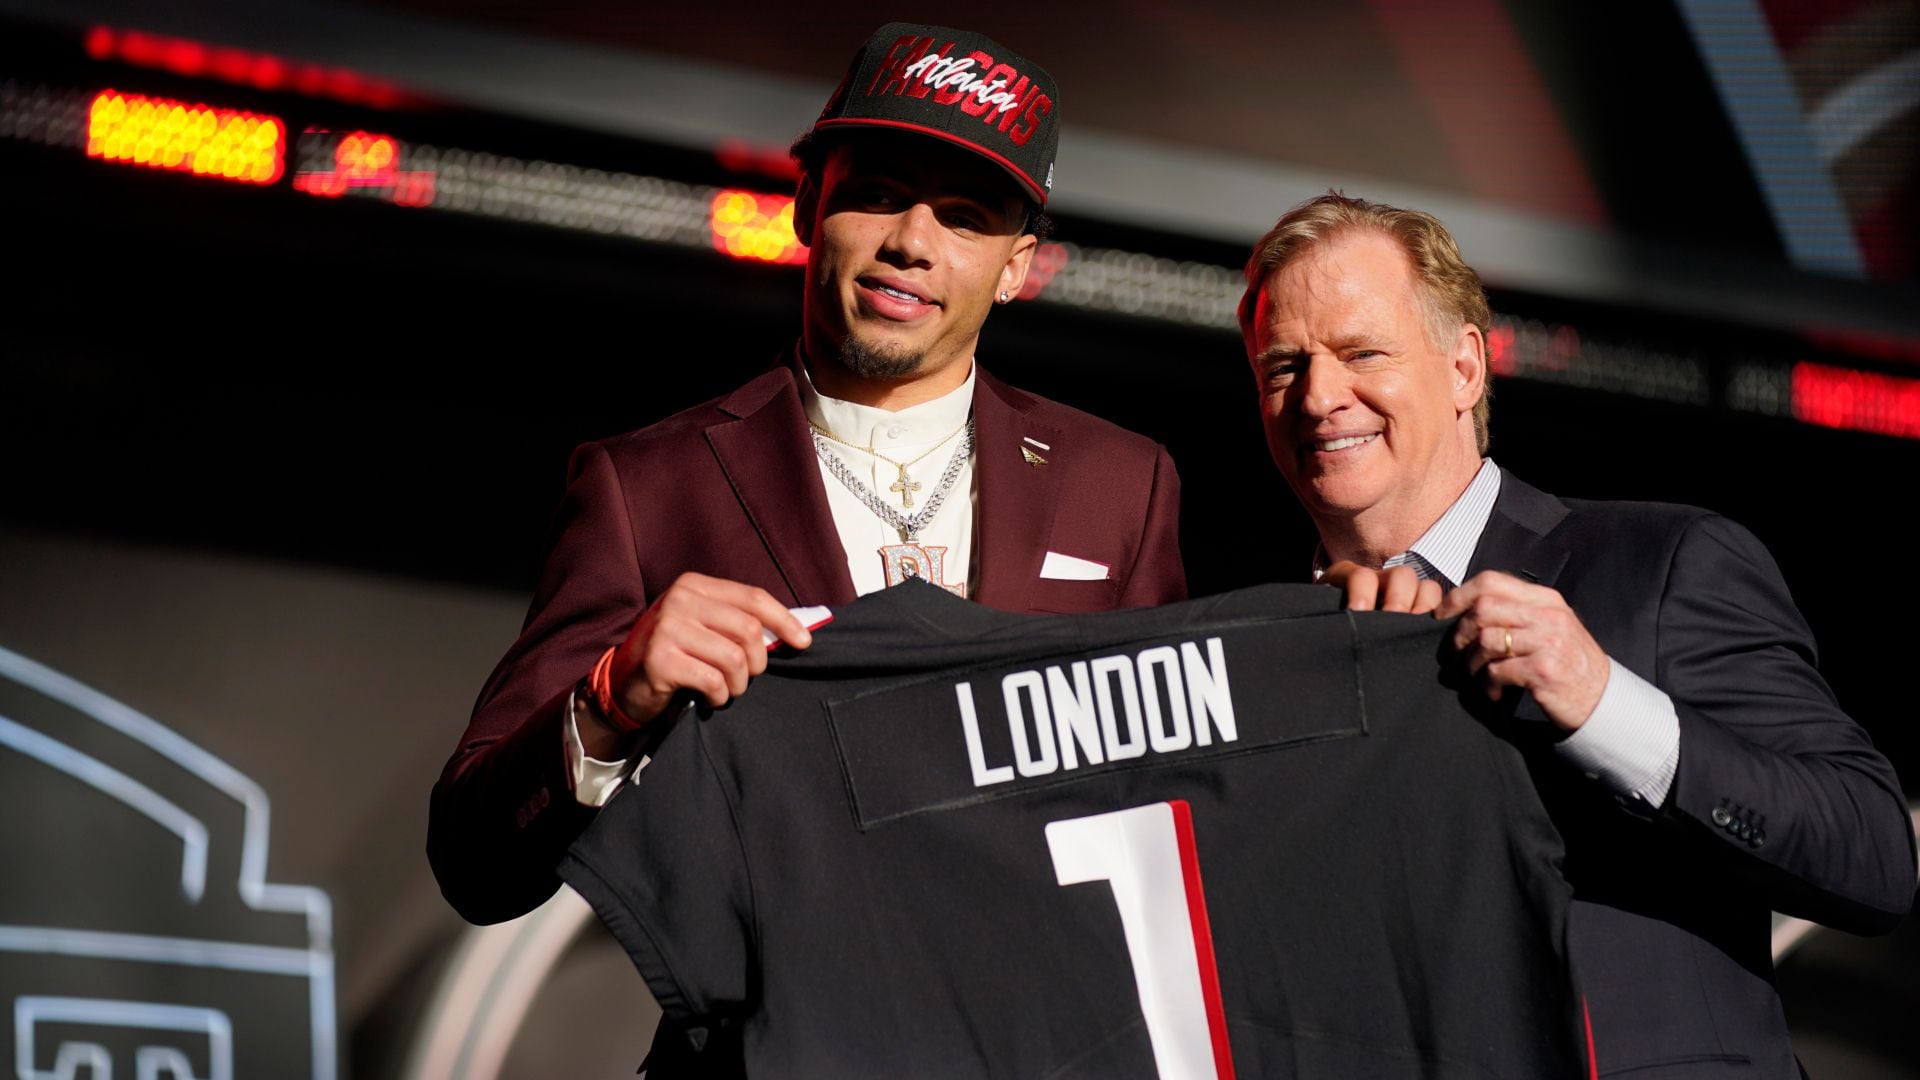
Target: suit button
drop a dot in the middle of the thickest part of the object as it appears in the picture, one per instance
(1721, 817)
(1758, 837)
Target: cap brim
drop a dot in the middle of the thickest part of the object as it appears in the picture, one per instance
(1027, 184)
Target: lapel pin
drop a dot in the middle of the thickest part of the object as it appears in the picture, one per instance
(1033, 459)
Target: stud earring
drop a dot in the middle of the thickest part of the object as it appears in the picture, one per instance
(1004, 297)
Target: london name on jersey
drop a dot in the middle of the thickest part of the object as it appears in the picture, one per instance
(1161, 700)
(920, 745)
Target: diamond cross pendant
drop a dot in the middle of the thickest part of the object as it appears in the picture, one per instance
(905, 487)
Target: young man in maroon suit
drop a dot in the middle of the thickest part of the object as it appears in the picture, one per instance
(875, 450)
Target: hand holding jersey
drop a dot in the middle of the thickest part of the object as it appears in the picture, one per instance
(703, 635)
(1514, 633)
(1395, 588)
(1510, 632)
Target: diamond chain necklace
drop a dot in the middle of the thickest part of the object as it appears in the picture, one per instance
(908, 527)
(905, 485)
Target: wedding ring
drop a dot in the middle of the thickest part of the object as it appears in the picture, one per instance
(1509, 634)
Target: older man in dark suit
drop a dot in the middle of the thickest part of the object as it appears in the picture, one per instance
(874, 451)
(1699, 769)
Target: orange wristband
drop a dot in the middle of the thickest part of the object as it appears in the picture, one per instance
(600, 684)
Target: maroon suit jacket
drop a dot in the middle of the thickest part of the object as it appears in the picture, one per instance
(730, 488)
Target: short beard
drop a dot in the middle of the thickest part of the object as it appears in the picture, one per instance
(867, 362)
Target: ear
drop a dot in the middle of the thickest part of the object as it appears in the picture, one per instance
(806, 202)
(1469, 368)
(1013, 276)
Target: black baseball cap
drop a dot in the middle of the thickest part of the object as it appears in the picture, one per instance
(958, 86)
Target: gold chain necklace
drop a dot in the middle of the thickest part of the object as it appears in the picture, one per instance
(905, 486)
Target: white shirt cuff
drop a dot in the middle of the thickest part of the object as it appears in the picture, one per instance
(594, 781)
(1631, 743)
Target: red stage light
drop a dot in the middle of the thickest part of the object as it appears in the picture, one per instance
(362, 159)
(1856, 400)
(200, 139)
(238, 66)
(99, 43)
(1048, 260)
(747, 225)
(366, 160)
(741, 156)
(1500, 358)
(1865, 344)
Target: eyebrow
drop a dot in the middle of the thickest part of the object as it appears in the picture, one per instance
(1362, 339)
(992, 203)
(925, 187)
(977, 193)
(988, 200)
(1358, 339)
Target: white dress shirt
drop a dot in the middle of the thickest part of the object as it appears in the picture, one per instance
(930, 432)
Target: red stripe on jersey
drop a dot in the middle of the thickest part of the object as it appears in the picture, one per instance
(1202, 940)
(1586, 1018)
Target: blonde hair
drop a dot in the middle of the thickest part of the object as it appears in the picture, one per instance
(1450, 290)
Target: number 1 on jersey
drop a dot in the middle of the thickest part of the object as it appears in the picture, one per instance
(1147, 855)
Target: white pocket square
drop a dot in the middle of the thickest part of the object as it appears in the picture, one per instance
(1067, 568)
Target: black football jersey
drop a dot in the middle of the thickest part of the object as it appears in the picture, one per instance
(1249, 835)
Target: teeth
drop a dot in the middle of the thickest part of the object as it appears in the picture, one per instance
(896, 292)
(1342, 444)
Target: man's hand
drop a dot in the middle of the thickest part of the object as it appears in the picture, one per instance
(1398, 589)
(1514, 633)
(701, 635)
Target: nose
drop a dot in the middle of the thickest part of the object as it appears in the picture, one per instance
(911, 240)
(1322, 387)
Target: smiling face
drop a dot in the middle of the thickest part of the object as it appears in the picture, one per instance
(1368, 419)
(910, 240)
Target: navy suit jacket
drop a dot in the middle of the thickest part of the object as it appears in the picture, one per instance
(731, 488)
(1781, 801)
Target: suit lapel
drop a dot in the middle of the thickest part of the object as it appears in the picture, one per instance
(766, 456)
(1014, 520)
(1520, 537)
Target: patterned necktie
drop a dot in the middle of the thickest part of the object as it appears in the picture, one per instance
(1421, 567)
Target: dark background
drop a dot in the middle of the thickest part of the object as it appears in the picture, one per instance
(236, 418)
